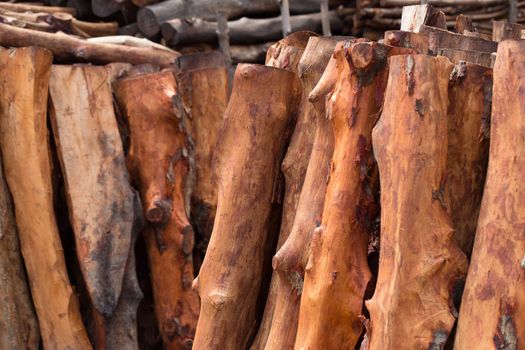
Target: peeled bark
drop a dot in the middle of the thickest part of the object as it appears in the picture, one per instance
(251, 146)
(286, 54)
(24, 136)
(159, 163)
(470, 95)
(204, 79)
(419, 263)
(492, 309)
(18, 322)
(299, 169)
(337, 267)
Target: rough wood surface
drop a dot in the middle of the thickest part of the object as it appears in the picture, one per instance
(36, 8)
(18, 322)
(70, 48)
(204, 80)
(419, 263)
(492, 308)
(502, 30)
(412, 40)
(470, 96)
(250, 149)
(25, 150)
(413, 17)
(159, 164)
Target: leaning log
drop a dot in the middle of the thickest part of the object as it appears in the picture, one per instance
(419, 263)
(24, 136)
(493, 305)
(250, 152)
(67, 47)
(18, 322)
(156, 117)
(242, 31)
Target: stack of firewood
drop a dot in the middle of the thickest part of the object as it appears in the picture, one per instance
(346, 194)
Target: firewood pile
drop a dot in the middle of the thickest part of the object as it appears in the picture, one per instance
(348, 193)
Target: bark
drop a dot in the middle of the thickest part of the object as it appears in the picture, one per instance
(419, 264)
(23, 135)
(470, 95)
(242, 31)
(492, 308)
(251, 147)
(287, 277)
(18, 322)
(503, 30)
(204, 78)
(150, 18)
(67, 47)
(160, 173)
(337, 267)
(286, 54)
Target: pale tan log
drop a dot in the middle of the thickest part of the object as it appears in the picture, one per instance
(250, 151)
(419, 263)
(36, 8)
(25, 149)
(493, 305)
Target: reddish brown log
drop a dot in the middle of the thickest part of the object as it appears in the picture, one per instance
(492, 312)
(24, 136)
(419, 262)
(159, 163)
(503, 30)
(251, 147)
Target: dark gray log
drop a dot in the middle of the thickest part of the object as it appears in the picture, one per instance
(249, 53)
(244, 30)
(105, 8)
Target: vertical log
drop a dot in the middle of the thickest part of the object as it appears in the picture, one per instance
(337, 267)
(307, 136)
(493, 306)
(99, 195)
(24, 136)
(18, 322)
(470, 95)
(287, 52)
(251, 147)
(419, 262)
(159, 163)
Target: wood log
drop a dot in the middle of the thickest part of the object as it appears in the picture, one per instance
(204, 80)
(401, 3)
(413, 17)
(23, 135)
(503, 30)
(337, 267)
(36, 8)
(295, 230)
(443, 39)
(419, 263)
(67, 47)
(251, 149)
(470, 96)
(82, 8)
(18, 322)
(286, 54)
(106, 8)
(458, 56)
(249, 53)
(400, 38)
(150, 18)
(242, 31)
(491, 314)
(161, 175)
(464, 23)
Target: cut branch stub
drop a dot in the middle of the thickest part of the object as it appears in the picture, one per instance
(159, 163)
(337, 267)
(493, 306)
(24, 136)
(251, 146)
(419, 263)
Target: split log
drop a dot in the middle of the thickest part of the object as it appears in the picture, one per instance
(492, 310)
(204, 79)
(161, 175)
(306, 169)
(458, 56)
(337, 266)
(251, 147)
(417, 41)
(150, 18)
(443, 39)
(413, 17)
(23, 135)
(242, 31)
(503, 30)
(18, 322)
(470, 96)
(67, 47)
(419, 262)
(36, 8)
(286, 54)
